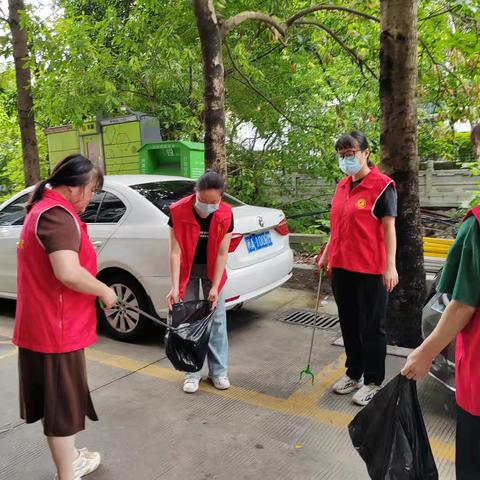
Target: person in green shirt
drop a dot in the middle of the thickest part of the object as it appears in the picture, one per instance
(461, 280)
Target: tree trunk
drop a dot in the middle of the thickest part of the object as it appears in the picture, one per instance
(213, 74)
(399, 155)
(26, 120)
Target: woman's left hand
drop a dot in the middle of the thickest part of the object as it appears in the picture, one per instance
(390, 278)
(418, 364)
(213, 297)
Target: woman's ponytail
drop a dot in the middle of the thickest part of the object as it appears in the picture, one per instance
(37, 194)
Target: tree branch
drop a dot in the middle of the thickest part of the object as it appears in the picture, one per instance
(236, 20)
(317, 8)
(248, 83)
(268, 52)
(359, 61)
(435, 66)
(438, 13)
(440, 64)
(134, 92)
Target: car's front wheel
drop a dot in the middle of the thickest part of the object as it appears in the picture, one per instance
(123, 321)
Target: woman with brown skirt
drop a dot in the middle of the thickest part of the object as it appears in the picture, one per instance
(56, 313)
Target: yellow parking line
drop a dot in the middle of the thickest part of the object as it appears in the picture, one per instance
(301, 403)
(308, 393)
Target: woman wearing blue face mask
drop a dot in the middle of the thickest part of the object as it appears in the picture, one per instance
(200, 234)
(361, 253)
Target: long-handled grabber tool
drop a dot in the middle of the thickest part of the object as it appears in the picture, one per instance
(308, 370)
(123, 307)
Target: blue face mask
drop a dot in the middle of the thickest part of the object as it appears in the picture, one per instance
(349, 165)
(206, 208)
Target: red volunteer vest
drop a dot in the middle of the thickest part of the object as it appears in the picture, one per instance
(356, 238)
(187, 233)
(50, 317)
(467, 357)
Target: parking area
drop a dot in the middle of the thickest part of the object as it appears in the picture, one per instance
(268, 425)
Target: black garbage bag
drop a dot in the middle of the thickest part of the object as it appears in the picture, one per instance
(390, 435)
(187, 340)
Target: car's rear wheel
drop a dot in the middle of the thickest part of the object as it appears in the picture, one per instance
(123, 322)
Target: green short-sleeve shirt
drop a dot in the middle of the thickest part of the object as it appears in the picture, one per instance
(461, 274)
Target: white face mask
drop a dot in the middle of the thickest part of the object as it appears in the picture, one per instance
(350, 165)
(206, 208)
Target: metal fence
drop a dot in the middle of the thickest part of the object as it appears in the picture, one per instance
(438, 188)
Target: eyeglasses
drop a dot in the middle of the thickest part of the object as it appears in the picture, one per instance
(348, 153)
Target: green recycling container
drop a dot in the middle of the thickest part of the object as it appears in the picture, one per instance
(176, 158)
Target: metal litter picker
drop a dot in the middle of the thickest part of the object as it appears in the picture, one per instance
(308, 370)
(127, 306)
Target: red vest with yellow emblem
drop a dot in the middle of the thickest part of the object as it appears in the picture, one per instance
(187, 233)
(50, 317)
(356, 235)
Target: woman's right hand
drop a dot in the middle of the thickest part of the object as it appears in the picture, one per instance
(322, 261)
(108, 298)
(173, 297)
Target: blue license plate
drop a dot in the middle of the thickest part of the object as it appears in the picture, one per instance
(257, 241)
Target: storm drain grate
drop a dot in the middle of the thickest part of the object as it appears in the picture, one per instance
(306, 318)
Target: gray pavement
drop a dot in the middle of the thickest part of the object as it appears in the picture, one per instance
(267, 426)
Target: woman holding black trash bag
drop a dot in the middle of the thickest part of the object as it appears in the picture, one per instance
(361, 254)
(200, 234)
(56, 313)
(461, 319)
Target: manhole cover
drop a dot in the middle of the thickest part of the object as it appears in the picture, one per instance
(306, 318)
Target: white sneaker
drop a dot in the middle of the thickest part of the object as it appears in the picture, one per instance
(85, 463)
(222, 383)
(365, 394)
(190, 385)
(347, 385)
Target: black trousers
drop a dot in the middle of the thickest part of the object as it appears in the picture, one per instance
(467, 460)
(362, 306)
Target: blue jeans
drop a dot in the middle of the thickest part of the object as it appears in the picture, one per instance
(217, 356)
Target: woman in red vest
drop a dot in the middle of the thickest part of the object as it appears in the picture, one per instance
(200, 234)
(56, 314)
(461, 319)
(361, 253)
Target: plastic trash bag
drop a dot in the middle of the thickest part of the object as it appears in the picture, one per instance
(390, 435)
(187, 340)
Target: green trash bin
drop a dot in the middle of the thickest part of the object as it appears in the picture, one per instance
(176, 158)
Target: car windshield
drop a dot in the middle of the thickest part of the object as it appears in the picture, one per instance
(163, 194)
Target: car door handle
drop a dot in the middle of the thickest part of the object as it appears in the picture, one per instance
(97, 244)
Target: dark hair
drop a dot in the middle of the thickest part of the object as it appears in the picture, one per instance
(353, 139)
(210, 180)
(73, 171)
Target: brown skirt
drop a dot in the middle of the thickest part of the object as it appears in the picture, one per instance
(53, 387)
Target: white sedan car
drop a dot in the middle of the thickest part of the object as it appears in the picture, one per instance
(127, 223)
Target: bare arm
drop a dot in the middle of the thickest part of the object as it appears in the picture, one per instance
(322, 260)
(221, 260)
(67, 269)
(175, 255)
(220, 264)
(390, 276)
(454, 319)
